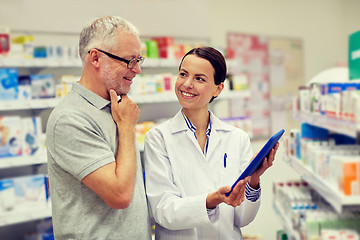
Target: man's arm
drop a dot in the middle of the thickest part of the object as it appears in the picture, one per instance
(115, 182)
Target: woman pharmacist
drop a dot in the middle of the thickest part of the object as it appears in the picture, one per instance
(191, 158)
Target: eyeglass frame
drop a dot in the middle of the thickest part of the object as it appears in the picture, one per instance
(139, 60)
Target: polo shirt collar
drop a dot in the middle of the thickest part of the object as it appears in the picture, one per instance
(90, 96)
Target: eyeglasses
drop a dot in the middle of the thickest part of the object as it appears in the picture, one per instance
(130, 63)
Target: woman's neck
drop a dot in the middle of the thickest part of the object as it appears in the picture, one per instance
(199, 118)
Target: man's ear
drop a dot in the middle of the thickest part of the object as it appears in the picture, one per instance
(93, 58)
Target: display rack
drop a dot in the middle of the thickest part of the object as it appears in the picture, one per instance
(344, 127)
(25, 107)
(285, 222)
(20, 161)
(39, 62)
(67, 62)
(12, 105)
(333, 196)
(32, 214)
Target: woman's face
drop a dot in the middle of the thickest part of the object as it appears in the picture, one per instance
(195, 84)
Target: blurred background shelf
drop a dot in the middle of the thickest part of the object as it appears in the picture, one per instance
(333, 196)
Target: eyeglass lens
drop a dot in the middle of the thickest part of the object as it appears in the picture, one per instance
(134, 61)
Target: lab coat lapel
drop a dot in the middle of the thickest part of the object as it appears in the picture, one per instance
(215, 137)
(178, 125)
(190, 134)
(214, 140)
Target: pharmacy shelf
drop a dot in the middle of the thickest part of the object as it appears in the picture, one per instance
(53, 62)
(12, 105)
(154, 98)
(171, 97)
(285, 222)
(333, 196)
(335, 125)
(39, 62)
(20, 161)
(160, 62)
(14, 217)
(63, 62)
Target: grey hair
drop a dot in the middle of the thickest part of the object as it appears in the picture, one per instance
(102, 33)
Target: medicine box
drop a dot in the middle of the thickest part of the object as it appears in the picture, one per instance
(7, 195)
(8, 84)
(31, 135)
(42, 86)
(10, 136)
(30, 192)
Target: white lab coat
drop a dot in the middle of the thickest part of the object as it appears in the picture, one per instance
(179, 177)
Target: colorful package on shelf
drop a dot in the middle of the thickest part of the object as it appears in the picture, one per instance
(166, 47)
(42, 86)
(27, 42)
(9, 88)
(304, 99)
(31, 132)
(168, 82)
(24, 88)
(144, 51)
(10, 136)
(355, 96)
(295, 143)
(338, 233)
(333, 104)
(346, 100)
(322, 98)
(65, 85)
(315, 95)
(179, 50)
(141, 129)
(40, 52)
(310, 133)
(152, 49)
(4, 40)
(30, 192)
(44, 231)
(238, 81)
(307, 213)
(243, 123)
(153, 84)
(7, 195)
(349, 175)
(354, 56)
(164, 82)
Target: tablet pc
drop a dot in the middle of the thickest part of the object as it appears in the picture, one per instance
(258, 159)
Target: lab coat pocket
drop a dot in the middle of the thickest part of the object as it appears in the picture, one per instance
(230, 170)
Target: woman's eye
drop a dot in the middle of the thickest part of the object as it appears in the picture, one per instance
(200, 79)
(182, 74)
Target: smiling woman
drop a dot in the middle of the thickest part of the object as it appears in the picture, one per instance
(186, 178)
(195, 86)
